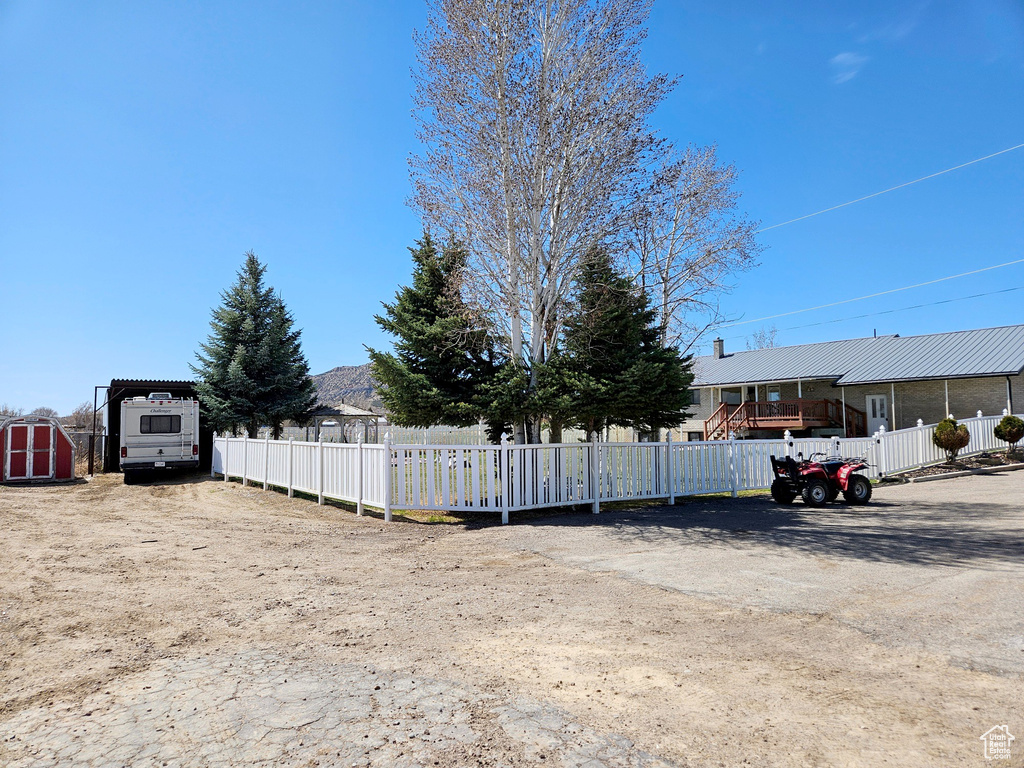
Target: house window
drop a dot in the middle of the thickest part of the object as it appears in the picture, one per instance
(751, 394)
(774, 394)
(694, 397)
(694, 437)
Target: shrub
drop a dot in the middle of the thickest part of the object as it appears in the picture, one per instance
(951, 437)
(1010, 430)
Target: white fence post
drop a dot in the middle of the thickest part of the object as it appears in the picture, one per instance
(880, 440)
(320, 470)
(245, 459)
(359, 475)
(506, 484)
(213, 474)
(266, 461)
(595, 468)
(227, 444)
(671, 471)
(787, 437)
(920, 442)
(732, 463)
(387, 477)
(291, 467)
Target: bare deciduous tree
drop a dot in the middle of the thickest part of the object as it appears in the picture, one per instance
(7, 411)
(533, 116)
(763, 338)
(687, 239)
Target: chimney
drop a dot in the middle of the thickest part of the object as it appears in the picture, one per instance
(719, 349)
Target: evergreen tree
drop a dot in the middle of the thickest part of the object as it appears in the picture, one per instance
(442, 360)
(611, 368)
(251, 369)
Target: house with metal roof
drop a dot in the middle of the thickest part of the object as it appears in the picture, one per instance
(854, 386)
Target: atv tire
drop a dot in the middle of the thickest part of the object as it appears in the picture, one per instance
(816, 493)
(858, 490)
(782, 492)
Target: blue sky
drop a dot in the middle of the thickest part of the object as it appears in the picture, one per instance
(144, 147)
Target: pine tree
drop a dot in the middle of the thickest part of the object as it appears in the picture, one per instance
(612, 368)
(251, 369)
(442, 358)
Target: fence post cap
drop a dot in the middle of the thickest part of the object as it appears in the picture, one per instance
(951, 416)
(920, 422)
(881, 429)
(1005, 412)
(979, 414)
(787, 435)
(504, 438)
(359, 439)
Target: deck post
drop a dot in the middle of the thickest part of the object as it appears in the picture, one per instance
(845, 432)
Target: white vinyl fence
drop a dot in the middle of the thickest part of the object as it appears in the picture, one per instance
(511, 478)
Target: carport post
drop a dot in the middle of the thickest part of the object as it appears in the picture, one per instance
(320, 471)
(291, 467)
(595, 468)
(359, 475)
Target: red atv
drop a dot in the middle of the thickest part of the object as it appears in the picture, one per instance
(819, 479)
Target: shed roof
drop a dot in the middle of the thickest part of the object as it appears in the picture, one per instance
(958, 354)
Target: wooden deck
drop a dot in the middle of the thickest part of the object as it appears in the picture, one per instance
(782, 415)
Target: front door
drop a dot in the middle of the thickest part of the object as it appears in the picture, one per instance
(878, 413)
(28, 457)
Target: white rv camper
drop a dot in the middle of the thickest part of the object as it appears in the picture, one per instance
(158, 432)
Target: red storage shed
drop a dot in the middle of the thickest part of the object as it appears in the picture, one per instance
(35, 449)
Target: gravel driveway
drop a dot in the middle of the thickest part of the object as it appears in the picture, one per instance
(200, 623)
(933, 566)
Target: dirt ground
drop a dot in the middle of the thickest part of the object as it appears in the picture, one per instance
(120, 602)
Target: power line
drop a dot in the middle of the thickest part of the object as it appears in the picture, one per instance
(891, 189)
(873, 295)
(900, 309)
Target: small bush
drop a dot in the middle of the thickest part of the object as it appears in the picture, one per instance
(1010, 430)
(951, 437)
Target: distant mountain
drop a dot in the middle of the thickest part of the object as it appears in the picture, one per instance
(348, 384)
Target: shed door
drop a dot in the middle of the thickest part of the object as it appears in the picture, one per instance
(30, 452)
